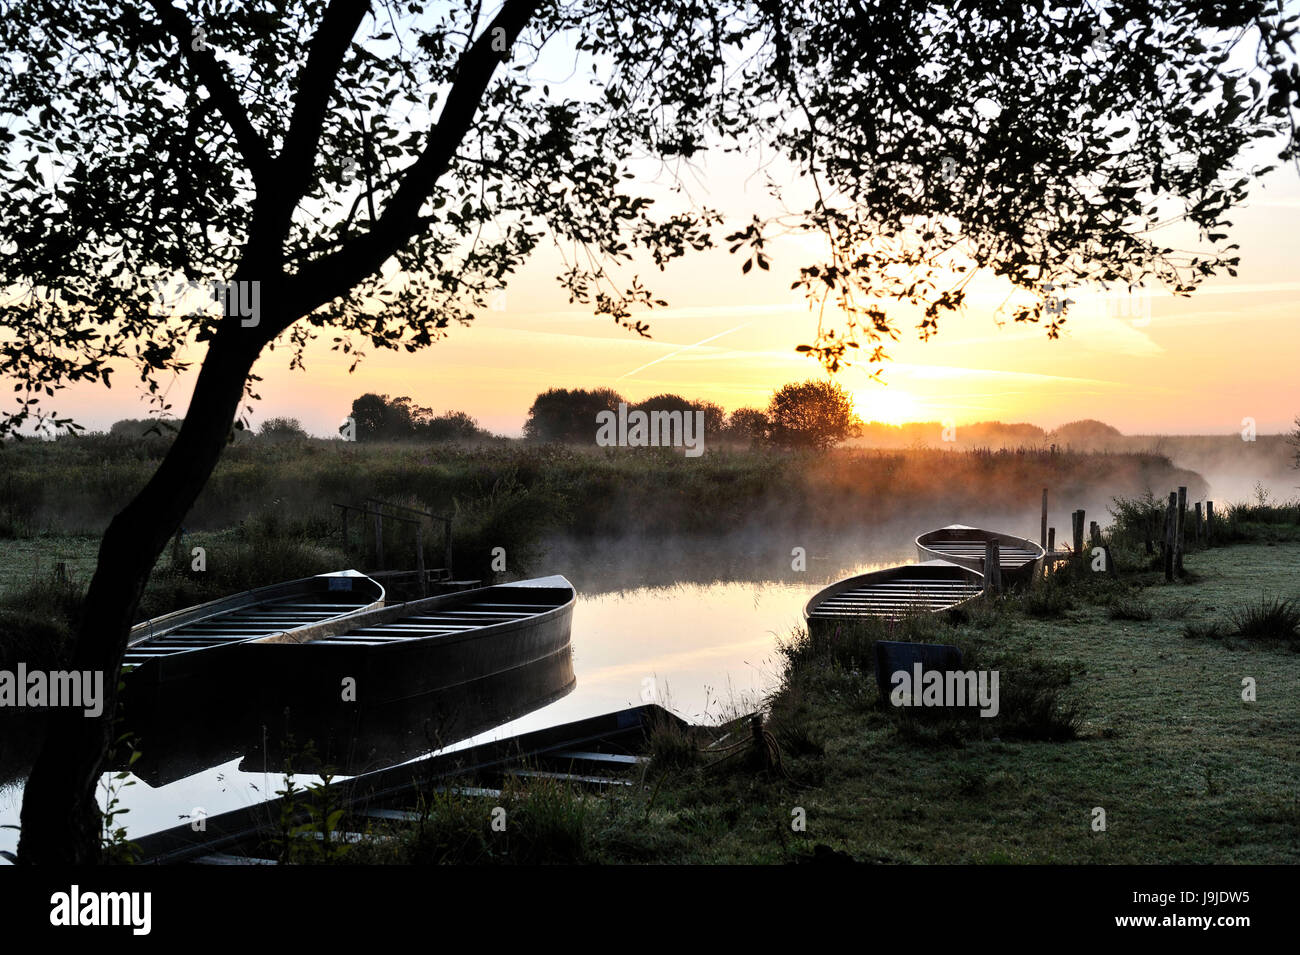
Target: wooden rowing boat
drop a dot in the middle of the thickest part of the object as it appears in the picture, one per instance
(174, 644)
(414, 648)
(928, 587)
(959, 544)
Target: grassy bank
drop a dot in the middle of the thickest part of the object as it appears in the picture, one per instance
(1148, 723)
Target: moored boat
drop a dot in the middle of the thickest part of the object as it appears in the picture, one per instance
(414, 648)
(176, 643)
(928, 587)
(959, 544)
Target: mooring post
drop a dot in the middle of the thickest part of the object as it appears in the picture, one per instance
(1094, 534)
(1196, 535)
(1042, 526)
(446, 545)
(1171, 531)
(1180, 531)
(419, 559)
(759, 740)
(992, 568)
(1077, 530)
(1209, 523)
(1051, 540)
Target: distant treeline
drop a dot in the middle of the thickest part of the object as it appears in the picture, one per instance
(811, 414)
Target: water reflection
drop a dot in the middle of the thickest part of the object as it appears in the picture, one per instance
(703, 643)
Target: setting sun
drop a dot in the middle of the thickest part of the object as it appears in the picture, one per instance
(886, 404)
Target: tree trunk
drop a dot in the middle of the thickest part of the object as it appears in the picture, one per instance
(60, 817)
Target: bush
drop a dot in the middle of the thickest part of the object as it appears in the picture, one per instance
(1131, 608)
(1270, 619)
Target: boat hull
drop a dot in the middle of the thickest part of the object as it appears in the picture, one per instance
(928, 587)
(359, 663)
(1018, 557)
(192, 651)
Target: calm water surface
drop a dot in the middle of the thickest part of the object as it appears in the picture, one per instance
(701, 649)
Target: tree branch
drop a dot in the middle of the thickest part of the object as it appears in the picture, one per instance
(213, 77)
(333, 275)
(316, 85)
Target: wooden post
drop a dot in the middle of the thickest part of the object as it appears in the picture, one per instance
(1094, 534)
(1180, 531)
(419, 559)
(1077, 529)
(1171, 529)
(992, 568)
(446, 546)
(1042, 527)
(1196, 535)
(1209, 523)
(379, 536)
(758, 738)
(1051, 540)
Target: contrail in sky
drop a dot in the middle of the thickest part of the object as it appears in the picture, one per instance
(703, 341)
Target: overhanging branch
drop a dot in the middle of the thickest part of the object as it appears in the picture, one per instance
(333, 275)
(213, 77)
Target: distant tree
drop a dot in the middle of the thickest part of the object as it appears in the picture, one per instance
(380, 419)
(1088, 433)
(282, 429)
(714, 416)
(747, 425)
(144, 427)
(815, 414)
(665, 402)
(561, 414)
(1001, 433)
(369, 413)
(452, 426)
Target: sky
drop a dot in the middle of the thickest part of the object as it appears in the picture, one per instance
(1146, 364)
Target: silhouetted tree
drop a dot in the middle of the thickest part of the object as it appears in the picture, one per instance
(815, 414)
(378, 170)
(748, 425)
(379, 419)
(565, 415)
(452, 426)
(282, 429)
